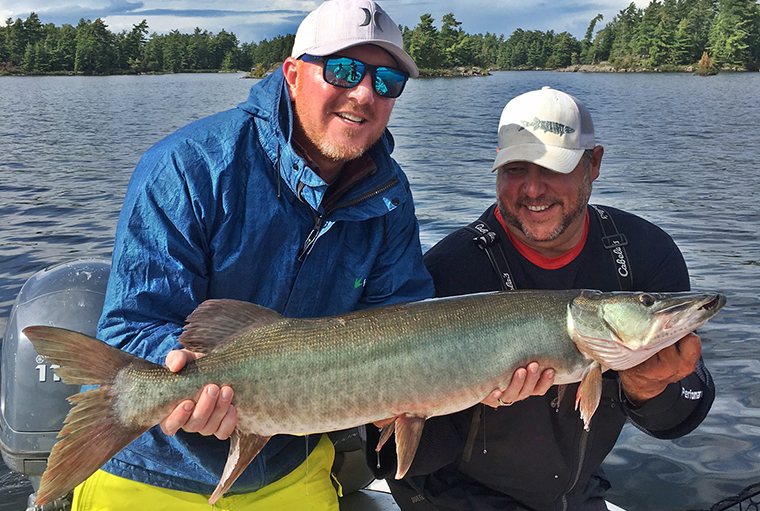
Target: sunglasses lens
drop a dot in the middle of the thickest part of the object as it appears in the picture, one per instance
(389, 82)
(343, 72)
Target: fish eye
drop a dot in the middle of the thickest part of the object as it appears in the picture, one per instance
(646, 300)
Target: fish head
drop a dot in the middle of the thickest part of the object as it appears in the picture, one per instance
(622, 329)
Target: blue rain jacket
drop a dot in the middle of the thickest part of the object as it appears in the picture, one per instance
(222, 209)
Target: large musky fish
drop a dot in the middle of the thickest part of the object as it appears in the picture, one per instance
(410, 361)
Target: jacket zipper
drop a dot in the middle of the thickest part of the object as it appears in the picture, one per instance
(319, 221)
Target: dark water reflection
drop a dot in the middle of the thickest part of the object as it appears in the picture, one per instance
(680, 151)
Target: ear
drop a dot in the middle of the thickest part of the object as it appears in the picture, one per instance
(290, 69)
(596, 162)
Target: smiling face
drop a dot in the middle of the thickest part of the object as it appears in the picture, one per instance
(545, 209)
(336, 125)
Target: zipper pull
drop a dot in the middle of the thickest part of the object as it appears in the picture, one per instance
(311, 238)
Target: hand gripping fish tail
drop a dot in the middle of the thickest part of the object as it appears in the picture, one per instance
(427, 358)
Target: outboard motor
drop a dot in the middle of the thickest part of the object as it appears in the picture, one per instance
(32, 398)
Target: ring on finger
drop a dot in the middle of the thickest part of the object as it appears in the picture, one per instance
(502, 403)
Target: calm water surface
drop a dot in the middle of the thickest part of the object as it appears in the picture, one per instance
(680, 151)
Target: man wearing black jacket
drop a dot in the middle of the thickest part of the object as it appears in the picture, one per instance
(529, 450)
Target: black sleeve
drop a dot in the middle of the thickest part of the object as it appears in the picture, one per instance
(678, 410)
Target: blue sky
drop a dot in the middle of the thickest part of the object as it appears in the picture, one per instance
(258, 19)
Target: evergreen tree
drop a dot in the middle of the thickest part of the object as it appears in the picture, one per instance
(624, 31)
(219, 46)
(64, 54)
(423, 44)
(3, 48)
(697, 18)
(587, 53)
(15, 41)
(154, 53)
(94, 50)
(198, 53)
(175, 46)
(564, 48)
(133, 47)
(663, 38)
(603, 44)
(733, 33)
(645, 29)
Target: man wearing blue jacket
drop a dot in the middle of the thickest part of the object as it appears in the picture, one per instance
(291, 201)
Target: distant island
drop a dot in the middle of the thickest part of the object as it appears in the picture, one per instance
(667, 35)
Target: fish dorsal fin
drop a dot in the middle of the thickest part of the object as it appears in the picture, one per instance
(408, 434)
(243, 448)
(215, 321)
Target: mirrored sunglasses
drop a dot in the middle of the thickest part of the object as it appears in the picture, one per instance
(347, 73)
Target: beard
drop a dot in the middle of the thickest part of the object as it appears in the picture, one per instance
(350, 146)
(577, 208)
(342, 152)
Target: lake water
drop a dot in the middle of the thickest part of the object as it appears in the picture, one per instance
(681, 151)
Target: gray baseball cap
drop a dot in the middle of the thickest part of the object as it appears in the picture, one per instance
(340, 24)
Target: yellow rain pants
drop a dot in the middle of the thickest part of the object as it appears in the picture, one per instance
(307, 488)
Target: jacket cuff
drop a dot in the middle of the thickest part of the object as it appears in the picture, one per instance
(667, 411)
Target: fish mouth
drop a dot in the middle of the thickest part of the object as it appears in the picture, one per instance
(712, 304)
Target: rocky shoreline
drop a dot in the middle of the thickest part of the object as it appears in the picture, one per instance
(608, 68)
(454, 72)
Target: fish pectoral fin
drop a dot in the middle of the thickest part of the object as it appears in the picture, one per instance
(215, 321)
(589, 393)
(385, 434)
(243, 448)
(408, 434)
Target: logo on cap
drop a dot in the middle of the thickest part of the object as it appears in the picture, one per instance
(368, 18)
(548, 127)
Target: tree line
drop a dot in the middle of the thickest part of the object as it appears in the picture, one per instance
(667, 33)
(28, 46)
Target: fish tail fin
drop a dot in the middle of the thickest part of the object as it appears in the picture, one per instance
(92, 434)
(93, 431)
(82, 359)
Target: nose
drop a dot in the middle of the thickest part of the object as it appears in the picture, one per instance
(363, 93)
(534, 185)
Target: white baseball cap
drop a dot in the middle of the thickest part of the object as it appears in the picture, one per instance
(547, 127)
(340, 24)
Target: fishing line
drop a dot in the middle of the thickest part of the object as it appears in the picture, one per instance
(306, 482)
(485, 450)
